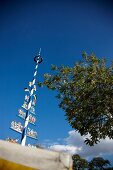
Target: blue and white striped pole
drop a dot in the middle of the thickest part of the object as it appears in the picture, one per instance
(37, 59)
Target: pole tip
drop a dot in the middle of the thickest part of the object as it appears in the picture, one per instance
(39, 51)
(38, 58)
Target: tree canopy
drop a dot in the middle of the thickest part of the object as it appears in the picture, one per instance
(97, 163)
(79, 163)
(85, 93)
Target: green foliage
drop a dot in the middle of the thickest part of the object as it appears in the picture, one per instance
(85, 93)
(98, 163)
(79, 163)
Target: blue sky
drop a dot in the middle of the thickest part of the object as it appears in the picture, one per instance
(63, 29)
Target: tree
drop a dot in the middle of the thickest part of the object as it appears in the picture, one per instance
(79, 163)
(98, 163)
(85, 93)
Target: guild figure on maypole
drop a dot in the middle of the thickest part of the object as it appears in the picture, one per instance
(27, 111)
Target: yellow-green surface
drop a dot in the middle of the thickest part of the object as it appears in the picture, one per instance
(7, 165)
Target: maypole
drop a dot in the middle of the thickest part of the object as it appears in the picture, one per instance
(27, 112)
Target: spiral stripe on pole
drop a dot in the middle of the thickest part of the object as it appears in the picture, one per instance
(24, 133)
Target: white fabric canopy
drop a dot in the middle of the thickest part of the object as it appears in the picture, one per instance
(36, 158)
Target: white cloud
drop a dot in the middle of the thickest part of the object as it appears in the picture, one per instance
(75, 139)
(65, 148)
(74, 143)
